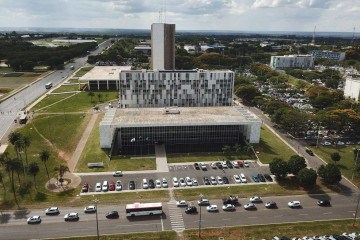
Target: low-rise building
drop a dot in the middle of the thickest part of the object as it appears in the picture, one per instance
(336, 56)
(352, 88)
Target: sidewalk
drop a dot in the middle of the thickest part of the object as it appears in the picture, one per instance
(161, 160)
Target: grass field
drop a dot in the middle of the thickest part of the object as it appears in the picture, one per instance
(165, 235)
(346, 162)
(271, 146)
(8, 83)
(93, 153)
(67, 88)
(82, 71)
(269, 231)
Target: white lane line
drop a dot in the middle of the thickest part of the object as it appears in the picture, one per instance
(162, 223)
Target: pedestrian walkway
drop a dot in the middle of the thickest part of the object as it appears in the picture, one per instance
(161, 160)
(176, 218)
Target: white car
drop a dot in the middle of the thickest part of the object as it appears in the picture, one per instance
(249, 206)
(246, 164)
(212, 208)
(195, 182)
(34, 219)
(182, 203)
(255, 199)
(164, 183)
(73, 216)
(294, 204)
(219, 180)
(326, 143)
(188, 181)
(202, 166)
(182, 182)
(105, 186)
(90, 209)
(98, 187)
(213, 165)
(228, 207)
(237, 179)
(118, 174)
(175, 182)
(235, 164)
(224, 165)
(340, 143)
(213, 180)
(158, 183)
(118, 186)
(52, 211)
(243, 178)
(145, 184)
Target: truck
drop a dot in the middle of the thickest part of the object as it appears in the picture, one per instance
(231, 200)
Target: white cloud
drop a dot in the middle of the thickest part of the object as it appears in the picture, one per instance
(292, 3)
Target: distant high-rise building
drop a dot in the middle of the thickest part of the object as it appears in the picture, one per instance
(163, 46)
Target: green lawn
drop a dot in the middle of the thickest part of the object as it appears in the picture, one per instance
(82, 71)
(269, 231)
(67, 88)
(204, 157)
(80, 102)
(271, 146)
(165, 235)
(93, 153)
(346, 162)
(9, 83)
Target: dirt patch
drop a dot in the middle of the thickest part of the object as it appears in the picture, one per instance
(64, 156)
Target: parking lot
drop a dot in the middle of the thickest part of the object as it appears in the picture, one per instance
(180, 171)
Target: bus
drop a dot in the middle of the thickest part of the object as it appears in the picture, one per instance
(23, 118)
(143, 209)
(48, 85)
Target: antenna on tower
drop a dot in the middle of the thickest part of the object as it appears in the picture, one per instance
(160, 16)
(353, 38)
(313, 38)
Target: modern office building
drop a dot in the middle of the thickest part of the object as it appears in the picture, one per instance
(183, 88)
(292, 61)
(336, 56)
(184, 129)
(352, 88)
(162, 46)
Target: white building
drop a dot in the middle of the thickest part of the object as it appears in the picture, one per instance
(144, 88)
(292, 61)
(352, 88)
(163, 46)
(336, 56)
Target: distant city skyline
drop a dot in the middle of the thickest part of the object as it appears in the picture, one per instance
(234, 15)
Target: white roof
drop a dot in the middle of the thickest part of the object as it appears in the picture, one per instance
(105, 73)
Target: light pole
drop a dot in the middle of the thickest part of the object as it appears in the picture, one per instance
(97, 221)
(356, 159)
(201, 197)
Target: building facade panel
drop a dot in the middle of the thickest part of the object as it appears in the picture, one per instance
(292, 61)
(352, 88)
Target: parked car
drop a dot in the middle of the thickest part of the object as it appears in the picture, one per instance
(203, 202)
(195, 182)
(219, 165)
(246, 164)
(203, 166)
(271, 204)
(268, 177)
(213, 180)
(213, 165)
(250, 206)
(229, 164)
(118, 174)
(145, 184)
(158, 183)
(212, 208)
(73, 216)
(132, 185)
(294, 204)
(323, 203)
(261, 177)
(191, 209)
(118, 186)
(182, 203)
(243, 178)
(90, 209)
(219, 180)
(235, 164)
(112, 186)
(85, 187)
(175, 182)
(164, 183)
(52, 211)
(206, 180)
(255, 178)
(151, 184)
(240, 163)
(112, 214)
(188, 181)
(105, 186)
(196, 165)
(230, 200)
(255, 199)
(98, 187)
(34, 220)
(182, 182)
(225, 180)
(237, 179)
(224, 165)
(326, 143)
(228, 207)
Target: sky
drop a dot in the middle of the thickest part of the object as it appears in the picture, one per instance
(236, 15)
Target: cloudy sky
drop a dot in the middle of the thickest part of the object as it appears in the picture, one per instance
(238, 15)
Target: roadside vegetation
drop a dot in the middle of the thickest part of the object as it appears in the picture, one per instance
(165, 235)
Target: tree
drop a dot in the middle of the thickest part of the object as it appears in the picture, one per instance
(247, 92)
(91, 95)
(44, 157)
(237, 148)
(99, 95)
(34, 170)
(307, 177)
(26, 143)
(279, 168)
(335, 157)
(296, 163)
(62, 169)
(330, 173)
(10, 168)
(2, 181)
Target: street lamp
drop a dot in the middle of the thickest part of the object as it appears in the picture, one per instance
(201, 197)
(97, 221)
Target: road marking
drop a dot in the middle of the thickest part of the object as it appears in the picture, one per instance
(225, 219)
(162, 223)
(327, 213)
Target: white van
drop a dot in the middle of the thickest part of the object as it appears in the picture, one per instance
(145, 184)
(105, 186)
(243, 178)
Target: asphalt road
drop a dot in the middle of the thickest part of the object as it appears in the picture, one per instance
(343, 206)
(13, 105)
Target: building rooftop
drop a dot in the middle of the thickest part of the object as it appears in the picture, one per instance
(132, 117)
(105, 73)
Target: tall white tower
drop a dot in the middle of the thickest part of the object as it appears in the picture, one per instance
(163, 46)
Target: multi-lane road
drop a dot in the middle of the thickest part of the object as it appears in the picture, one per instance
(11, 106)
(343, 206)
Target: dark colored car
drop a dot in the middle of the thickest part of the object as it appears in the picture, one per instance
(131, 185)
(229, 164)
(196, 165)
(309, 152)
(112, 186)
(225, 180)
(261, 177)
(151, 183)
(206, 181)
(255, 178)
(219, 166)
(271, 204)
(323, 203)
(268, 177)
(112, 214)
(191, 209)
(85, 187)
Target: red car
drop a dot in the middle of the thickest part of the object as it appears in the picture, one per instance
(240, 163)
(112, 186)
(85, 187)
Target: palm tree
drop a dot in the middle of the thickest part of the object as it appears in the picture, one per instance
(26, 143)
(99, 95)
(13, 137)
(91, 95)
(34, 170)
(62, 170)
(237, 148)
(2, 181)
(18, 168)
(9, 166)
(18, 144)
(44, 157)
